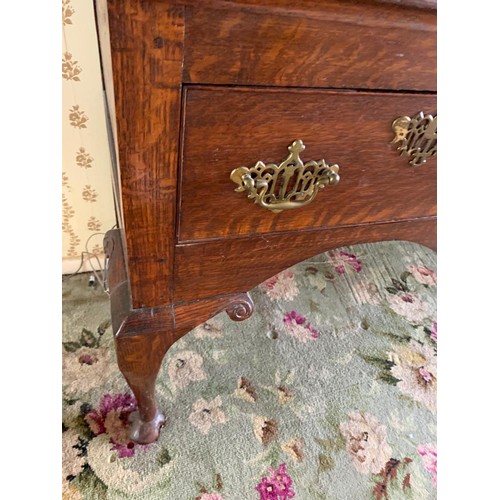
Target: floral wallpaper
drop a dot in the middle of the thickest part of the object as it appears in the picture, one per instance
(87, 195)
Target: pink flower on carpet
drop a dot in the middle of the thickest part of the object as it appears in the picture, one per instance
(211, 329)
(340, 261)
(276, 486)
(186, 367)
(298, 327)
(423, 275)
(281, 286)
(87, 359)
(211, 496)
(206, 414)
(428, 452)
(366, 442)
(416, 369)
(111, 418)
(409, 305)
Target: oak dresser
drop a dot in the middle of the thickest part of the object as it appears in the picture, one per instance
(250, 135)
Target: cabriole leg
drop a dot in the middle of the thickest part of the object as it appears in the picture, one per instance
(139, 360)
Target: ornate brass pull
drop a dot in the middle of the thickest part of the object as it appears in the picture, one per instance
(291, 184)
(417, 135)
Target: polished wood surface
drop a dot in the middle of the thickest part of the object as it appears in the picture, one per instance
(246, 262)
(140, 342)
(343, 45)
(146, 40)
(188, 246)
(150, 46)
(308, 7)
(229, 128)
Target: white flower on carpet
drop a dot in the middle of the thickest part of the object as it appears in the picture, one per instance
(245, 390)
(207, 413)
(125, 476)
(70, 414)
(281, 287)
(72, 462)
(409, 305)
(366, 442)
(295, 448)
(211, 329)
(423, 275)
(285, 394)
(86, 368)
(186, 367)
(317, 280)
(416, 369)
(265, 429)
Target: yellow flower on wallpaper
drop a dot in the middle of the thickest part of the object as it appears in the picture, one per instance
(70, 68)
(89, 194)
(77, 117)
(68, 213)
(93, 224)
(67, 12)
(83, 159)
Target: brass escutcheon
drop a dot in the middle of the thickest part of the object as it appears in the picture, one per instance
(291, 184)
(417, 137)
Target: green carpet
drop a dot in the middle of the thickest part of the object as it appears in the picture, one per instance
(327, 392)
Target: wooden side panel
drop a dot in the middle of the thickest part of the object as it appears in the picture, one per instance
(344, 45)
(230, 128)
(238, 265)
(101, 12)
(147, 51)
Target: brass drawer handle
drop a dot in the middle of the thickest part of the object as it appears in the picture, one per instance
(417, 136)
(291, 184)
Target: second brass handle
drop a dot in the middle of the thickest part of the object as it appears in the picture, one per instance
(417, 136)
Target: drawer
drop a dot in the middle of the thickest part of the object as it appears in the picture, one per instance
(299, 44)
(227, 128)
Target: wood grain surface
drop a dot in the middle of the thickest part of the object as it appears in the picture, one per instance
(146, 40)
(239, 264)
(309, 7)
(189, 246)
(341, 45)
(230, 128)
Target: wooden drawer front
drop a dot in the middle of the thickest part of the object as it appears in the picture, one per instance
(229, 128)
(342, 45)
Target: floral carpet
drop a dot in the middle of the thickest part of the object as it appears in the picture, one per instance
(327, 392)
